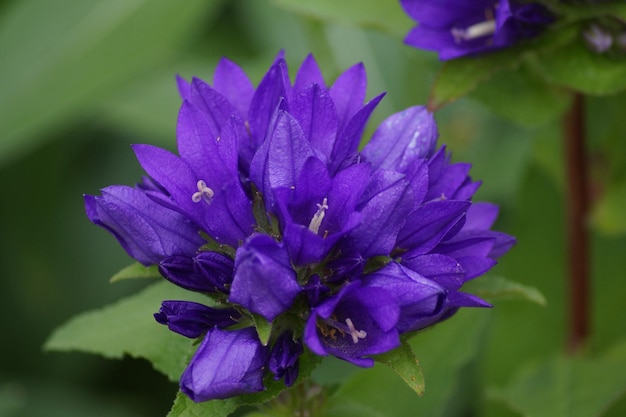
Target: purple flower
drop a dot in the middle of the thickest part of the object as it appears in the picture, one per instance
(457, 28)
(270, 208)
(358, 322)
(227, 363)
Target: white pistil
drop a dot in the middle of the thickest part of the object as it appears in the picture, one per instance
(356, 334)
(316, 221)
(488, 27)
(203, 193)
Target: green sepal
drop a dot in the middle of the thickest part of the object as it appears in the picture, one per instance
(135, 271)
(263, 328)
(498, 288)
(403, 362)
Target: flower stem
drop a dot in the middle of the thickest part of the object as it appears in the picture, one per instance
(577, 203)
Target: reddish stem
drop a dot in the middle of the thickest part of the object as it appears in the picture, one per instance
(577, 203)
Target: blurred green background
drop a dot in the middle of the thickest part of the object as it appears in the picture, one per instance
(82, 80)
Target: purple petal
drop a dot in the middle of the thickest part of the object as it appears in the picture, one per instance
(419, 298)
(279, 162)
(348, 139)
(233, 83)
(430, 223)
(314, 109)
(148, 231)
(214, 107)
(264, 282)
(227, 363)
(402, 139)
(265, 100)
(348, 92)
(184, 87)
(309, 73)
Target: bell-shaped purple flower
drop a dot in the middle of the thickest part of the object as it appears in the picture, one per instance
(227, 363)
(457, 28)
(148, 231)
(358, 322)
(264, 281)
(193, 319)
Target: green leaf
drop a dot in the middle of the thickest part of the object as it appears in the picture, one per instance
(387, 16)
(184, 407)
(498, 288)
(134, 271)
(65, 61)
(128, 328)
(404, 363)
(567, 386)
(263, 328)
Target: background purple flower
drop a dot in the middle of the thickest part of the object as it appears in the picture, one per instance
(456, 28)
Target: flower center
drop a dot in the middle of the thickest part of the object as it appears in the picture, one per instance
(478, 30)
(203, 193)
(316, 221)
(329, 328)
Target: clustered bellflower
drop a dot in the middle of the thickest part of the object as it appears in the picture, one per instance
(456, 28)
(272, 210)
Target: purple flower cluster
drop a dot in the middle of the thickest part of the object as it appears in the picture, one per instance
(457, 28)
(271, 209)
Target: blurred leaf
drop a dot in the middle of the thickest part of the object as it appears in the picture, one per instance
(576, 67)
(66, 60)
(128, 328)
(263, 328)
(184, 407)
(608, 212)
(459, 77)
(134, 271)
(567, 387)
(444, 351)
(404, 363)
(498, 288)
(383, 15)
(520, 96)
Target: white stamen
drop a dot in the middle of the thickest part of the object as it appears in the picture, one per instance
(316, 221)
(203, 193)
(356, 334)
(488, 27)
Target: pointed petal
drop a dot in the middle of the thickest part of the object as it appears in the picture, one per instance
(402, 139)
(233, 83)
(313, 107)
(309, 73)
(348, 139)
(265, 100)
(183, 87)
(430, 223)
(348, 92)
